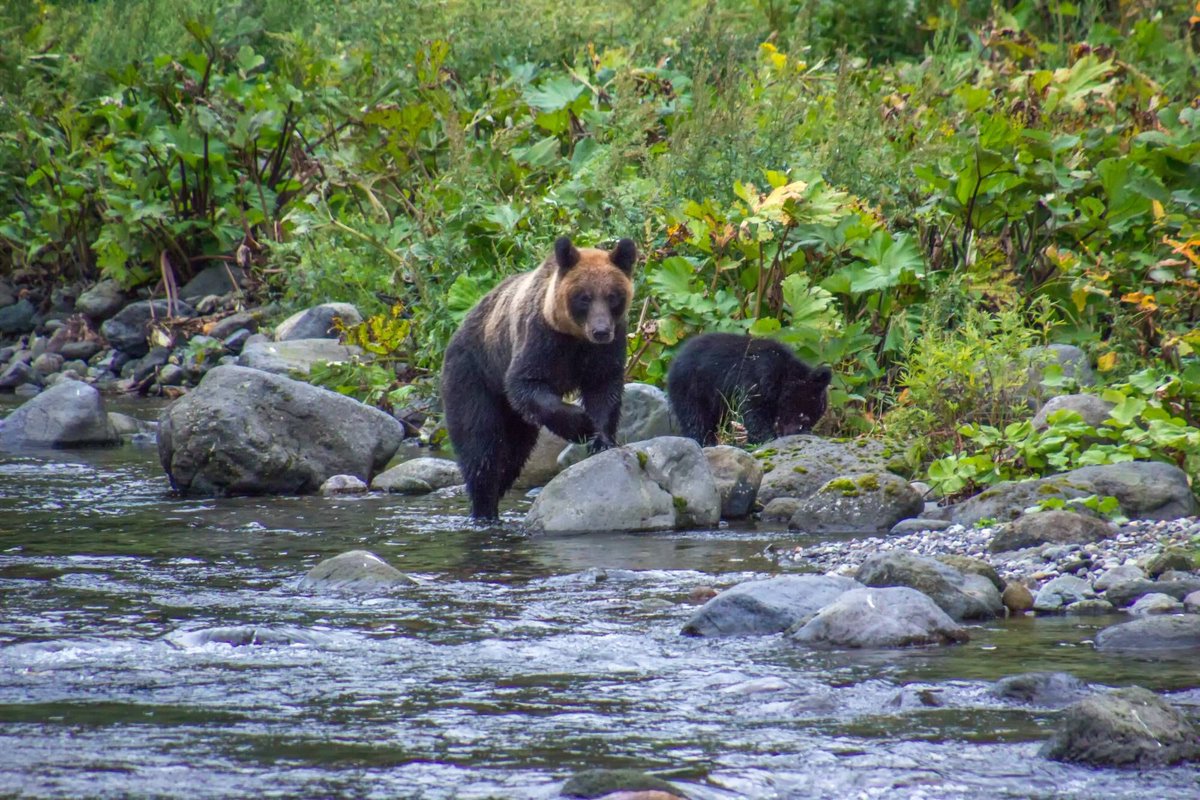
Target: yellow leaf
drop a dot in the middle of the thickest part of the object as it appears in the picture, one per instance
(1157, 208)
(1107, 361)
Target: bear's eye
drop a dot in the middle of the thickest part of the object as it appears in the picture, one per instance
(580, 303)
(616, 301)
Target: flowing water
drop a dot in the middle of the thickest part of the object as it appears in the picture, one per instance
(517, 661)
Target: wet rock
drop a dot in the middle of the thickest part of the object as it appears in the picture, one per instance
(660, 484)
(1191, 603)
(70, 414)
(247, 636)
(1171, 558)
(875, 617)
(645, 414)
(1145, 490)
(102, 300)
(738, 475)
(15, 374)
(1051, 689)
(1061, 592)
(623, 784)
(796, 466)
(961, 596)
(868, 503)
(1089, 608)
(1017, 598)
(17, 318)
(337, 485)
(757, 608)
(418, 476)
(171, 375)
(317, 322)
(1130, 727)
(1123, 593)
(781, 509)
(123, 424)
(219, 279)
(295, 355)
(128, 330)
(356, 571)
(1092, 409)
(1050, 527)
(1155, 634)
(1155, 603)
(236, 341)
(243, 431)
(917, 525)
(242, 320)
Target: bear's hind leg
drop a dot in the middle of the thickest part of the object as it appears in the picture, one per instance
(476, 421)
(520, 438)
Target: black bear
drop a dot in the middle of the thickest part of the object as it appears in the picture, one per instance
(533, 339)
(718, 374)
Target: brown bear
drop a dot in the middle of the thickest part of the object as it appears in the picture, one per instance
(533, 339)
(716, 374)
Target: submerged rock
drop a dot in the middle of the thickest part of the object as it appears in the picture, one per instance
(893, 617)
(622, 784)
(1130, 727)
(1153, 634)
(660, 484)
(418, 476)
(1053, 689)
(244, 431)
(246, 636)
(757, 608)
(68, 414)
(355, 571)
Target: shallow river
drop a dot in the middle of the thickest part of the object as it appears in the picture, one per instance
(517, 662)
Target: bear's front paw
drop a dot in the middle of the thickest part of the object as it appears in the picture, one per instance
(600, 442)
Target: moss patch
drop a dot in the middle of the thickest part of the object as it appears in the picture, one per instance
(642, 459)
(799, 470)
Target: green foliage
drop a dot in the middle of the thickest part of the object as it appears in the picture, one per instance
(1154, 417)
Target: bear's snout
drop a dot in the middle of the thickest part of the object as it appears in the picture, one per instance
(600, 335)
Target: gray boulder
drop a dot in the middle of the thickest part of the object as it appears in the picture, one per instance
(1191, 602)
(1122, 593)
(620, 784)
(17, 318)
(102, 300)
(918, 525)
(338, 485)
(893, 617)
(1145, 490)
(15, 374)
(758, 608)
(69, 414)
(645, 414)
(1155, 603)
(867, 503)
(1155, 634)
(227, 326)
(317, 322)
(1131, 727)
(1125, 572)
(738, 475)
(660, 484)
(1091, 408)
(1050, 527)
(418, 476)
(542, 464)
(128, 330)
(1052, 689)
(1061, 592)
(961, 596)
(295, 355)
(797, 466)
(357, 572)
(244, 431)
(781, 509)
(1074, 362)
(219, 279)
(81, 350)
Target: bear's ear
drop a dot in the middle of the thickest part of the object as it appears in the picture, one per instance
(821, 376)
(565, 253)
(623, 255)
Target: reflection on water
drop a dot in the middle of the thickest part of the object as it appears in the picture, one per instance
(156, 646)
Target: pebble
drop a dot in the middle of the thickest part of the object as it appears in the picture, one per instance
(1136, 541)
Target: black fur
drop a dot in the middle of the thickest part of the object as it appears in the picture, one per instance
(497, 392)
(716, 374)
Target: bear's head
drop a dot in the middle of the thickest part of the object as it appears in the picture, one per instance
(802, 399)
(591, 290)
